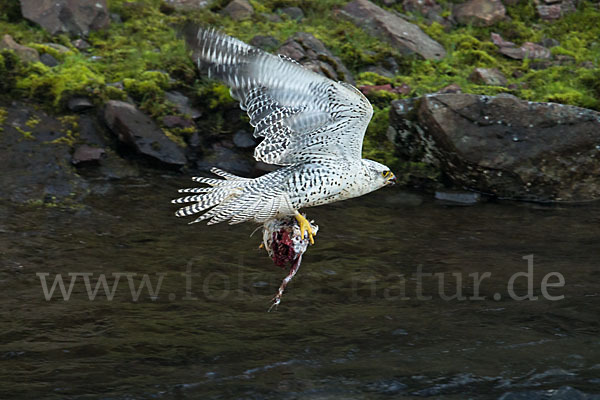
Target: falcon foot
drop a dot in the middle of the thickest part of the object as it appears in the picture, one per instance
(305, 227)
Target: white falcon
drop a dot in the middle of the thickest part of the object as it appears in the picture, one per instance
(311, 126)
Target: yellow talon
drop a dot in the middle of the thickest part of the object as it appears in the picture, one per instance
(305, 227)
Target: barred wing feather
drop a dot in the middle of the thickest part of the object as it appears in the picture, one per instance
(301, 114)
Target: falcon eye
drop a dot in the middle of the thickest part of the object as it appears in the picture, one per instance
(385, 174)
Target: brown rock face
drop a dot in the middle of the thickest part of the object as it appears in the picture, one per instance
(407, 37)
(312, 53)
(479, 12)
(138, 131)
(503, 145)
(77, 17)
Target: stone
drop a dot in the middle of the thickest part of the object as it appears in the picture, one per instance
(189, 5)
(182, 103)
(264, 42)
(79, 104)
(138, 131)
(24, 53)
(243, 139)
(452, 88)
(80, 44)
(504, 146)
(479, 12)
(312, 53)
(406, 37)
(294, 13)
(76, 17)
(85, 154)
(488, 76)
(238, 10)
(500, 42)
(527, 49)
(48, 60)
(58, 47)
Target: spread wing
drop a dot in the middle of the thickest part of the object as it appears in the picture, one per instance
(302, 115)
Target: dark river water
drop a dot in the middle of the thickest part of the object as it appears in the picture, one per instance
(402, 296)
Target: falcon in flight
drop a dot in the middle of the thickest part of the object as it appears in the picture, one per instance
(311, 126)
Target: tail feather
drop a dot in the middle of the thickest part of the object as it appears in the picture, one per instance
(233, 198)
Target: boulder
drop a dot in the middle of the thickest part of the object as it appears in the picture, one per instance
(25, 54)
(479, 12)
(423, 7)
(406, 37)
(76, 17)
(238, 10)
(183, 104)
(312, 53)
(141, 133)
(502, 145)
(264, 42)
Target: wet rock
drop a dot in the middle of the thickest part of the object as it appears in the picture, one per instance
(48, 60)
(294, 13)
(35, 158)
(188, 5)
(25, 54)
(479, 12)
(456, 197)
(488, 76)
(238, 10)
(85, 154)
(77, 17)
(243, 139)
(138, 131)
(264, 42)
(549, 43)
(175, 121)
(504, 146)
(79, 104)
(312, 53)
(406, 37)
(182, 103)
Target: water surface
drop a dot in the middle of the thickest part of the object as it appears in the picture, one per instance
(350, 325)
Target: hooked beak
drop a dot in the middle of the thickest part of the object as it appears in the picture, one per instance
(391, 180)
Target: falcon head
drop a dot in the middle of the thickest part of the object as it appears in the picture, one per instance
(379, 174)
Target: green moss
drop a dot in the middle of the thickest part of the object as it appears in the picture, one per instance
(376, 145)
(74, 76)
(3, 115)
(26, 134)
(33, 122)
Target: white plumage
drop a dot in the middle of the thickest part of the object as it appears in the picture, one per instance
(311, 126)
